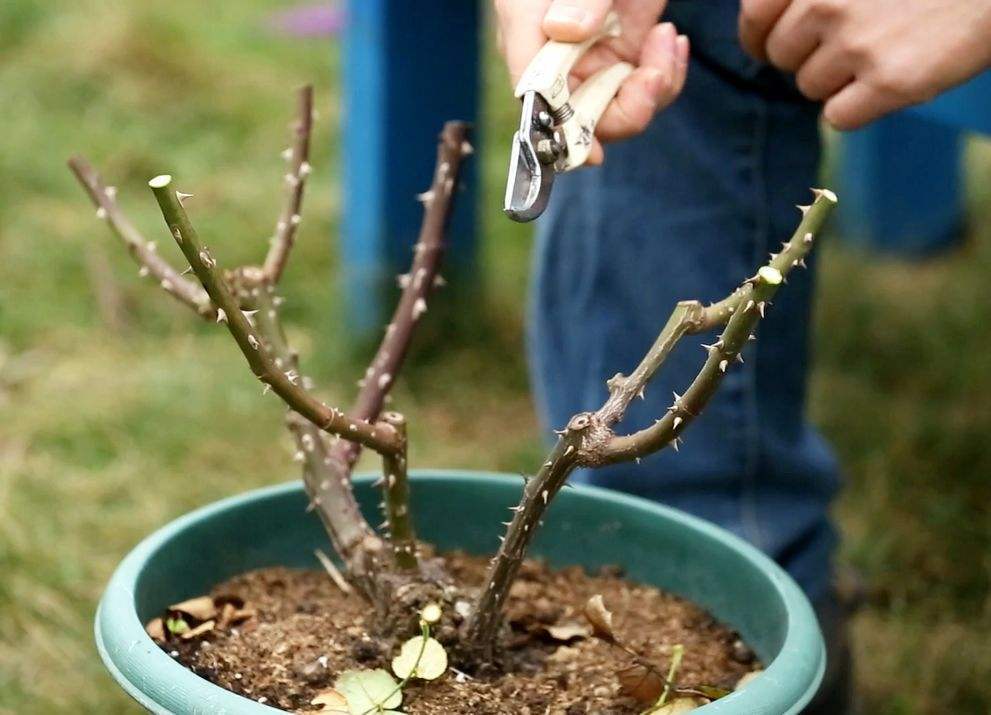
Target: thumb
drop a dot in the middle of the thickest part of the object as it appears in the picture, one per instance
(575, 20)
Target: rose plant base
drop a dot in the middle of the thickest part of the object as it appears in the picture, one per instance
(586, 527)
(307, 631)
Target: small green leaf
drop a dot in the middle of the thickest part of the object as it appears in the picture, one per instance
(421, 659)
(176, 626)
(369, 691)
(431, 613)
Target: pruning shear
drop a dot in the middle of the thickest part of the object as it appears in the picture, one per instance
(557, 125)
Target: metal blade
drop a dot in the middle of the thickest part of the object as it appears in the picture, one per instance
(528, 185)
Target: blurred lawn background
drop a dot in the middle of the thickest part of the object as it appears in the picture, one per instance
(119, 411)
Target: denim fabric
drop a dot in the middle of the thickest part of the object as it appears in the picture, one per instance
(688, 210)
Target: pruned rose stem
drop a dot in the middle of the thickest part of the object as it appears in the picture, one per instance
(295, 181)
(250, 310)
(141, 249)
(589, 441)
(331, 496)
(395, 489)
(418, 285)
(380, 437)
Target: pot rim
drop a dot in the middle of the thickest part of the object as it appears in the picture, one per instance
(123, 644)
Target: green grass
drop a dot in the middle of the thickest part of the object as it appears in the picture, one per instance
(120, 412)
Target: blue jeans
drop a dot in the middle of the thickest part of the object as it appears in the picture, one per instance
(688, 210)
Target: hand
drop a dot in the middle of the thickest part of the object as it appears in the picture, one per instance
(866, 58)
(659, 54)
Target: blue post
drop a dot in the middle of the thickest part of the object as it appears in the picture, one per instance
(900, 178)
(409, 67)
(900, 186)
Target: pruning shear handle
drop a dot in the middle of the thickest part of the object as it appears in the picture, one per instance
(556, 124)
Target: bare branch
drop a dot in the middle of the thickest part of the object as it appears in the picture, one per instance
(417, 285)
(395, 488)
(380, 437)
(324, 477)
(295, 180)
(143, 251)
(588, 439)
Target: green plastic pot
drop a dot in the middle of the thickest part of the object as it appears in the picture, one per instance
(461, 510)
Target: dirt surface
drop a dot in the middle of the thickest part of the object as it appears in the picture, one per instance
(304, 631)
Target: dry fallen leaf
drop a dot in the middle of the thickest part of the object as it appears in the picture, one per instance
(331, 701)
(156, 629)
(641, 683)
(201, 608)
(600, 618)
(567, 631)
(204, 627)
(231, 615)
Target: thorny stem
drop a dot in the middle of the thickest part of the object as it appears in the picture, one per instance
(379, 437)
(327, 462)
(142, 250)
(752, 300)
(589, 441)
(295, 180)
(330, 493)
(417, 285)
(395, 489)
(327, 480)
(537, 494)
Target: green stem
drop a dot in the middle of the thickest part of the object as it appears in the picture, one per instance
(381, 438)
(754, 297)
(395, 486)
(678, 651)
(589, 440)
(326, 481)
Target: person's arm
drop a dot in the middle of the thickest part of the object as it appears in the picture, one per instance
(866, 58)
(658, 52)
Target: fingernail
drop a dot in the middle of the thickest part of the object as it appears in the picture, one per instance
(669, 36)
(561, 14)
(657, 82)
(681, 51)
